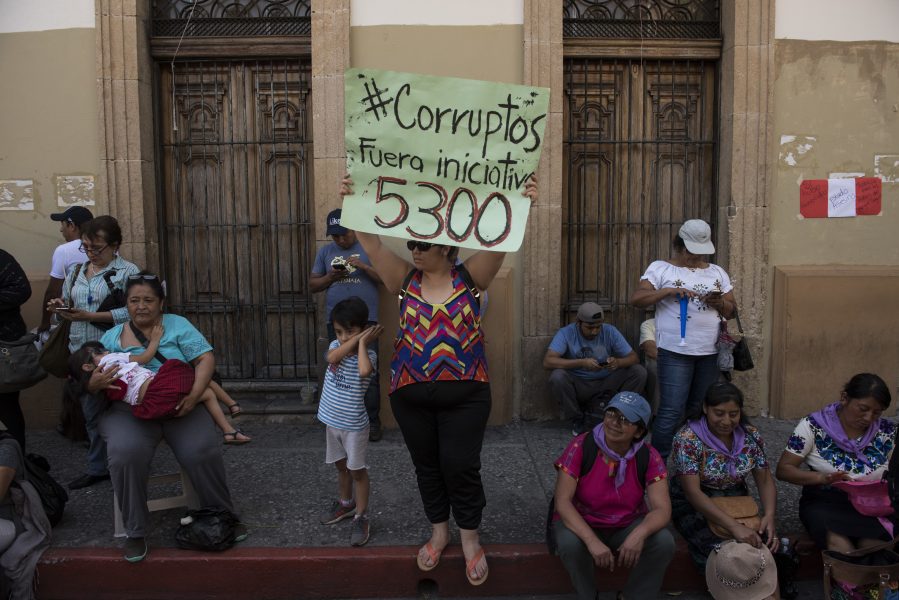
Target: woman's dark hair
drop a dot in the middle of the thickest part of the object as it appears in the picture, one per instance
(453, 254)
(148, 279)
(868, 385)
(103, 227)
(77, 375)
(352, 312)
(678, 243)
(721, 392)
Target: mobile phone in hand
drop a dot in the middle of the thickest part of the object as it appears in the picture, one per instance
(339, 267)
(63, 309)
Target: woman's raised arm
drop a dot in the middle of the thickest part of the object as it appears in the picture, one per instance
(391, 268)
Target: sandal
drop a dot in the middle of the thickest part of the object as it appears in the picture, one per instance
(433, 556)
(470, 565)
(231, 437)
(235, 410)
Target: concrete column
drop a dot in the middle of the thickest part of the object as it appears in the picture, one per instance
(330, 58)
(747, 92)
(126, 182)
(541, 247)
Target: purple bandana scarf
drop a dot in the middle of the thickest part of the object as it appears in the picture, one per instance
(829, 420)
(701, 428)
(599, 435)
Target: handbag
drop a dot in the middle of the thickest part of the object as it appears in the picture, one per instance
(875, 566)
(742, 356)
(54, 356)
(741, 508)
(19, 364)
(115, 299)
(211, 528)
(725, 346)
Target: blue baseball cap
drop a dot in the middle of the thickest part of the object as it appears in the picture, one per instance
(334, 226)
(633, 406)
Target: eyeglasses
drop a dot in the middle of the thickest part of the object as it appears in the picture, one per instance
(614, 416)
(147, 277)
(92, 249)
(422, 246)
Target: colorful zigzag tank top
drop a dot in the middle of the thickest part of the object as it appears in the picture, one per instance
(438, 342)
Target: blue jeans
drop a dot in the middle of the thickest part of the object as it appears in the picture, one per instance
(683, 383)
(96, 455)
(373, 393)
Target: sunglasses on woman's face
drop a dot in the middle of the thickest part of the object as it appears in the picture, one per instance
(142, 277)
(422, 246)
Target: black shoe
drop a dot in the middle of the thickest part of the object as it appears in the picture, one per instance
(374, 432)
(136, 549)
(61, 430)
(240, 533)
(87, 480)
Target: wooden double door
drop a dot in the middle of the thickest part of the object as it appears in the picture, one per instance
(640, 154)
(235, 211)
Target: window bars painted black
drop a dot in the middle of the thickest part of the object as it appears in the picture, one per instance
(231, 18)
(642, 19)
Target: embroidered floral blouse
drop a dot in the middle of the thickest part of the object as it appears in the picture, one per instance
(693, 457)
(811, 442)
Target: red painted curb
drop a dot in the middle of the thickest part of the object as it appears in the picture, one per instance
(320, 573)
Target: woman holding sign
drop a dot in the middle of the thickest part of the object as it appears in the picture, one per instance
(439, 388)
(686, 285)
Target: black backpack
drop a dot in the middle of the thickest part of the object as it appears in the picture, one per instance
(591, 450)
(53, 496)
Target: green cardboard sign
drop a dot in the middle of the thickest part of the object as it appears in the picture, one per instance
(441, 159)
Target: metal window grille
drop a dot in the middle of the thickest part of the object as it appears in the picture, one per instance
(231, 18)
(642, 19)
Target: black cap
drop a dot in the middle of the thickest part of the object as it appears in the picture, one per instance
(334, 226)
(76, 214)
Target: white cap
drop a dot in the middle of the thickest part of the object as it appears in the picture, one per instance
(697, 236)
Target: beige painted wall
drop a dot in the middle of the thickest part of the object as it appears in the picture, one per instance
(48, 116)
(846, 96)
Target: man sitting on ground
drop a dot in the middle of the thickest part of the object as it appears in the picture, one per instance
(591, 362)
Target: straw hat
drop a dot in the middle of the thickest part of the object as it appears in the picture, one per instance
(737, 571)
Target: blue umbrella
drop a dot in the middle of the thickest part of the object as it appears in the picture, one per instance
(684, 301)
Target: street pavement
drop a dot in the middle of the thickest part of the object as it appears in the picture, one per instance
(280, 485)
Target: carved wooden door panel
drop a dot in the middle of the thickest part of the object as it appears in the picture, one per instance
(640, 153)
(237, 248)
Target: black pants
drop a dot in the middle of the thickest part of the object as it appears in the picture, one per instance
(11, 416)
(443, 425)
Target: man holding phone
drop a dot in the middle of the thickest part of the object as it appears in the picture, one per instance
(342, 270)
(591, 362)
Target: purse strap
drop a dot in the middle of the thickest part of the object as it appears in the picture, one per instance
(737, 317)
(870, 549)
(145, 342)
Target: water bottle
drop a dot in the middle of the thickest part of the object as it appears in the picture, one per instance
(787, 564)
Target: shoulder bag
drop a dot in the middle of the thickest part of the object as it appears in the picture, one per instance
(742, 357)
(19, 364)
(115, 299)
(743, 509)
(54, 356)
(875, 567)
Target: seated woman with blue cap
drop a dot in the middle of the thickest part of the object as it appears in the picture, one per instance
(602, 519)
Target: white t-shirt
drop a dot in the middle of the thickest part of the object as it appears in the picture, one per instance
(65, 257)
(702, 320)
(647, 331)
(133, 374)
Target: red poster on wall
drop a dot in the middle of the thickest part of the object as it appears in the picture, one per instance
(821, 198)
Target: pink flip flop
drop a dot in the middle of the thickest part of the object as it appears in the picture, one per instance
(433, 555)
(470, 565)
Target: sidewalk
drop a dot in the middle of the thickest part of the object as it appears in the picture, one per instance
(280, 485)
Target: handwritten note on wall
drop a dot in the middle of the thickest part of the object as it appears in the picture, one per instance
(821, 198)
(441, 159)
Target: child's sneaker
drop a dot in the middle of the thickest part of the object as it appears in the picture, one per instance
(338, 512)
(359, 535)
